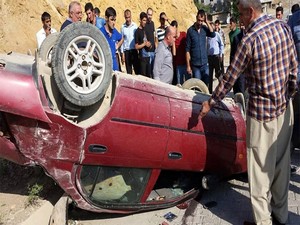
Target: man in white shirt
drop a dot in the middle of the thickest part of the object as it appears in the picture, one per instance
(46, 30)
(128, 51)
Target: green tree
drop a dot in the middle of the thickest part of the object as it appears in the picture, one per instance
(234, 10)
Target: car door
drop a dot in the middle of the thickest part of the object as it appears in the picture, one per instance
(135, 131)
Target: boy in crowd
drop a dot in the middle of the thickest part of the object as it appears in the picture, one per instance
(113, 37)
(46, 29)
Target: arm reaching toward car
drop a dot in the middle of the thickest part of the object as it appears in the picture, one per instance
(206, 106)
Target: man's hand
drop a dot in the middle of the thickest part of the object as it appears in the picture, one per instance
(189, 70)
(48, 30)
(123, 58)
(147, 44)
(221, 58)
(205, 109)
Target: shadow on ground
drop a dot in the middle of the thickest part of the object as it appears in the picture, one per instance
(16, 179)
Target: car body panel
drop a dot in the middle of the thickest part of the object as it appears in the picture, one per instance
(20, 96)
(132, 112)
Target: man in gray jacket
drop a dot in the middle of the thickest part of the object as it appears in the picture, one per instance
(163, 63)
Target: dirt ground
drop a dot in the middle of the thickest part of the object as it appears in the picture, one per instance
(16, 182)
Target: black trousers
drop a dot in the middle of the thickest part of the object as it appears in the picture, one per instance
(214, 64)
(145, 66)
(239, 85)
(132, 60)
(222, 65)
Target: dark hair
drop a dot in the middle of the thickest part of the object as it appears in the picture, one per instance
(174, 23)
(200, 12)
(45, 16)
(110, 11)
(127, 11)
(233, 20)
(143, 15)
(217, 22)
(149, 9)
(88, 6)
(279, 8)
(97, 10)
(161, 15)
(295, 8)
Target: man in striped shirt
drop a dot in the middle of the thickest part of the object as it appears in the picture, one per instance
(267, 57)
(160, 31)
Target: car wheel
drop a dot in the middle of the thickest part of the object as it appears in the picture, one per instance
(82, 64)
(45, 50)
(195, 84)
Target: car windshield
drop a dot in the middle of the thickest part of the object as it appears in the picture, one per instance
(106, 185)
(119, 187)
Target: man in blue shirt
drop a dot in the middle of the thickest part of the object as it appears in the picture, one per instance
(113, 37)
(91, 16)
(294, 23)
(215, 52)
(196, 52)
(128, 51)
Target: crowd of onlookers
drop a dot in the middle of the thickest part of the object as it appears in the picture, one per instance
(165, 53)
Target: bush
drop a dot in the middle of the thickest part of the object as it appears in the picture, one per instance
(34, 193)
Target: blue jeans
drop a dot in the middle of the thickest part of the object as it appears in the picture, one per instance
(152, 56)
(201, 72)
(182, 74)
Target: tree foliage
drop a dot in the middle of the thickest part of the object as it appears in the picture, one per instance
(234, 10)
(200, 5)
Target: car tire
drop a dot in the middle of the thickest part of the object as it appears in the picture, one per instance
(45, 50)
(82, 63)
(195, 84)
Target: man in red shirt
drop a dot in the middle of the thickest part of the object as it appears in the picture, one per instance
(179, 60)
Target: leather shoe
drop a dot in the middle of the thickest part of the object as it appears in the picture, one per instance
(276, 222)
(249, 223)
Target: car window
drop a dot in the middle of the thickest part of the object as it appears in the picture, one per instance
(107, 185)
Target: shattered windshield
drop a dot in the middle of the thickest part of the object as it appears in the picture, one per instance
(106, 185)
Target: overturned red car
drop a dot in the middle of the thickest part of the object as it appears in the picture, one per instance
(113, 142)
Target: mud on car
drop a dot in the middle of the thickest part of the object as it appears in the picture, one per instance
(113, 142)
